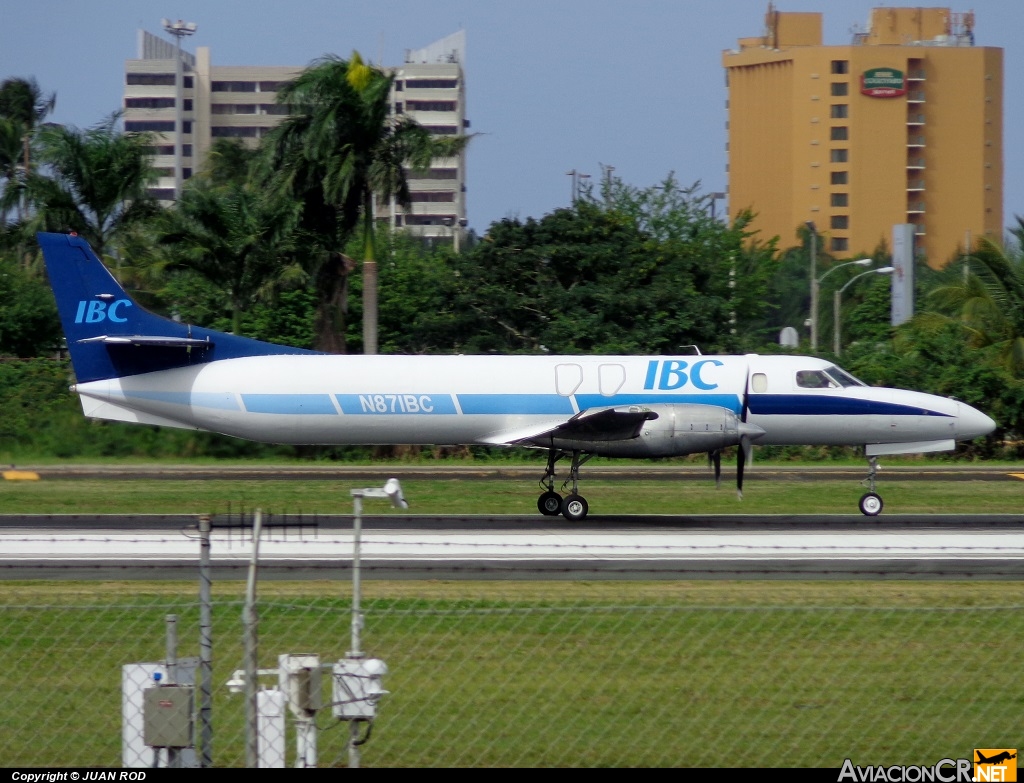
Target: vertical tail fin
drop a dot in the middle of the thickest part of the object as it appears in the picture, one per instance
(109, 335)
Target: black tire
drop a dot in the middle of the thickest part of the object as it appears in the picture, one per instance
(871, 504)
(550, 504)
(574, 508)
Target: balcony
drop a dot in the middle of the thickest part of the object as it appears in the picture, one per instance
(915, 164)
(915, 96)
(915, 208)
(915, 140)
(915, 119)
(915, 185)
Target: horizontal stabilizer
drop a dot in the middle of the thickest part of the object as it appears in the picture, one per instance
(139, 339)
(103, 409)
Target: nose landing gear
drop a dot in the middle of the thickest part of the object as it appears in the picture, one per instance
(871, 502)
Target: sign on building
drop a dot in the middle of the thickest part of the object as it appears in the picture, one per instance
(883, 83)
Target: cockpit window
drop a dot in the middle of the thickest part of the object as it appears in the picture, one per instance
(814, 379)
(842, 377)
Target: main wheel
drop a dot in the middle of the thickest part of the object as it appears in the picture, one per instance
(550, 504)
(574, 508)
(871, 504)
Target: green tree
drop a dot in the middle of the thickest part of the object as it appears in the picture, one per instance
(984, 292)
(28, 317)
(24, 106)
(96, 185)
(236, 236)
(10, 164)
(340, 147)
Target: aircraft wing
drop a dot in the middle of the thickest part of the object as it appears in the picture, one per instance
(593, 424)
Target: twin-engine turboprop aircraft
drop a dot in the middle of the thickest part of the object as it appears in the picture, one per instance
(132, 365)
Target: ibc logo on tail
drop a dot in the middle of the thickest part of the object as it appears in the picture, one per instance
(96, 311)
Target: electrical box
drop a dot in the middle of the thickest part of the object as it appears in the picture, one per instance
(299, 679)
(358, 687)
(167, 716)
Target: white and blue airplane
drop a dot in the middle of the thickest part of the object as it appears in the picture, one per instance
(134, 366)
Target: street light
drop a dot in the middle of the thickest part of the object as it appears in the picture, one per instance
(836, 341)
(179, 30)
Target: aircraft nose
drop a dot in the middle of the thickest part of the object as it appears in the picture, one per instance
(972, 423)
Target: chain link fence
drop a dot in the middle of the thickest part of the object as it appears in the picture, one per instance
(541, 673)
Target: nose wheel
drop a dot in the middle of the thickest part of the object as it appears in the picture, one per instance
(871, 502)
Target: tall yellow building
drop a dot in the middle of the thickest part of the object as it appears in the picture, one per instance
(904, 125)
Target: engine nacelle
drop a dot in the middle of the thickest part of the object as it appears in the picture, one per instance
(677, 430)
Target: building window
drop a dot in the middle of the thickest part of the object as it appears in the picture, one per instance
(186, 150)
(233, 108)
(233, 87)
(149, 103)
(430, 220)
(270, 86)
(186, 173)
(442, 130)
(150, 78)
(398, 88)
(187, 104)
(840, 66)
(150, 126)
(840, 199)
(839, 89)
(162, 194)
(399, 107)
(430, 105)
(187, 82)
(437, 195)
(161, 149)
(431, 84)
(234, 133)
(841, 133)
(840, 177)
(840, 244)
(840, 156)
(274, 108)
(840, 111)
(186, 126)
(840, 222)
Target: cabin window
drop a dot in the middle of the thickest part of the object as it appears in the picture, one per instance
(611, 378)
(568, 378)
(814, 379)
(759, 382)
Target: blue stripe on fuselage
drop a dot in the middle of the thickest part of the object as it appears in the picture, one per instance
(515, 404)
(290, 403)
(828, 405)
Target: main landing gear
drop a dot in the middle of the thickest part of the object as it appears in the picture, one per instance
(573, 506)
(871, 501)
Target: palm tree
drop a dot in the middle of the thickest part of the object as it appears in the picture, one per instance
(233, 235)
(10, 160)
(22, 101)
(986, 296)
(341, 147)
(97, 183)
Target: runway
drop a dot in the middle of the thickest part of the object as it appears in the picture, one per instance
(512, 547)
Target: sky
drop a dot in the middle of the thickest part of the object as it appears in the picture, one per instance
(551, 85)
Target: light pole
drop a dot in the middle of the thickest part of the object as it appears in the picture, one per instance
(814, 283)
(179, 30)
(577, 177)
(836, 341)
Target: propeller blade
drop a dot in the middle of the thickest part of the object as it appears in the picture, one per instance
(715, 458)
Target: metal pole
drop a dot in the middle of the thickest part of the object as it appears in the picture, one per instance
(179, 117)
(357, 615)
(171, 662)
(814, 287)
(836, 342)
(205, 645)
(249, 620)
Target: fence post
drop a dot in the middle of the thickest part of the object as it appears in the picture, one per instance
(205, 645)
(250, 620)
